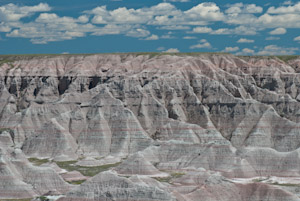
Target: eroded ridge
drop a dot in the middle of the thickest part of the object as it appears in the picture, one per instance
(150, 127)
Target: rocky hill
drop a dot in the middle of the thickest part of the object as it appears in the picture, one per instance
(150, 127)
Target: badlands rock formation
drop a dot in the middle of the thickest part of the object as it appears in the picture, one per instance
(150, 127)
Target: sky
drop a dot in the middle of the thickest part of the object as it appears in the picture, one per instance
(255, 27)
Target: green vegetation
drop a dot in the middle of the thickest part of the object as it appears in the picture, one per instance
(259, 179)
(177, 174)
(163, 179)
(38, 162)
(154, 54)
(43, 198)
(78, 182)
(6, 129)
(173, 175)
(286, 184)
(86, 171)
(5, 60)
(286, 58)
(16, 57)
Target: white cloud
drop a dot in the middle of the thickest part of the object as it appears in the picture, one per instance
(244, 40)
(83, 19)
(165, 15)
(12, 12)
(241, 8)
(278, 31)
(167, 36)
(252, 8)
(174, 27)
(282, 20)
(297, 39)
(160, 48)
(189, 37)
(248, 51)
(243, 19)
(272, 38)
(205, 11)
(152, 37)
(172, 50)
(285, 9)
(4, 27)
(275, 50)
(136, 32)
(240, 30)
(231, 49)
(202, 44)
(49, 27)
(287, 3)
(202, 30)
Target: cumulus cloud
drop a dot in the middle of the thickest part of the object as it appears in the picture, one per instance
(246, 51)
(202, 44)
(240, 30)
(285, 9)
(283, 16)
(167, 36)
(164, 14)
(202, 30)
(189, 37)
(231, 49)
(297, 39)
(174, 27)
(42, 26)
(278, 31)
(272, 38)
(243, 8)
(245, 40)
(12, 12)
(276, 50)
(160, 48)
(289, 20)
(287, 3)
(152, 37)
(172, 50)
(49, 27)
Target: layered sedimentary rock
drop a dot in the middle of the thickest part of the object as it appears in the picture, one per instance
(170, 127)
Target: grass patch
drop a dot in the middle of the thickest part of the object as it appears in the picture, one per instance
(259, 179)
(38, 162)
(286, 58)
(154, 54)
(287, 184)
(173, 175)
(163, 179)
(17, 57)
(86, 171)
(6, 129)
(78, 182)
(177, 174)
(43, 198)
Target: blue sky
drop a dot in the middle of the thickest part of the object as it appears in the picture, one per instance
(254, 27)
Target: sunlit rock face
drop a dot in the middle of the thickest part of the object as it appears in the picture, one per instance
(150, 127)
